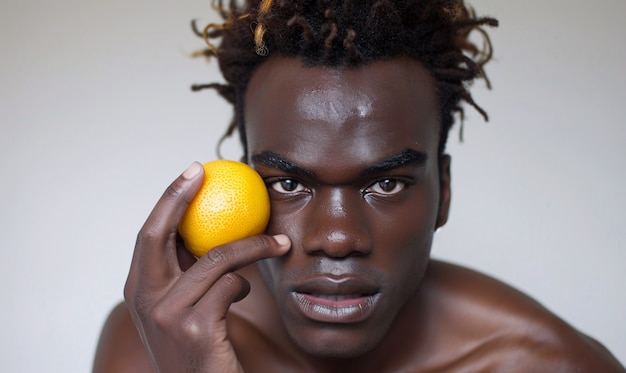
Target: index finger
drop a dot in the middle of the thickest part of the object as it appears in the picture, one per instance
(217, 262)
(154, 260)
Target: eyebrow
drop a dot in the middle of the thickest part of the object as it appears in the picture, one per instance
(407, 157)
(275, 160)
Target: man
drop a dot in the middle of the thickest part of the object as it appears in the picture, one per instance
(344, 109)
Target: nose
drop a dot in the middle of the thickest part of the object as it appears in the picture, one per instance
(336, 226)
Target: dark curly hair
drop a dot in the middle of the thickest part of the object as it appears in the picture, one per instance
(350, 33)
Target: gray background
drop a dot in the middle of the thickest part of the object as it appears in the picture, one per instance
(97, 118)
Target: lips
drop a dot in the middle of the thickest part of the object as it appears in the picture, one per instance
(333, 299)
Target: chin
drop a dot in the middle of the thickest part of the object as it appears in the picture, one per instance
(337, 341)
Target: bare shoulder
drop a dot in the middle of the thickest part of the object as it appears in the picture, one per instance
(494, 325)
(120, 348)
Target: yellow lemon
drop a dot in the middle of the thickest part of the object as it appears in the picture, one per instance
(232, 204)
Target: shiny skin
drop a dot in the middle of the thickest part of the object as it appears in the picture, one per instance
(342, 223)
(357, 192)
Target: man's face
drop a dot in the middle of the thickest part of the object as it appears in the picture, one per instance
(350, 160)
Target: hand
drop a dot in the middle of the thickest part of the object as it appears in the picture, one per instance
(180, 313)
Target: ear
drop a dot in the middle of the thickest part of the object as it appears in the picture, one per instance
(444, 190)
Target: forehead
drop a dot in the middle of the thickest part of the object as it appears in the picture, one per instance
(324, 114)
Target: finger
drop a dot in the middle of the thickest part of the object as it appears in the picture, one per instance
(200, 278)
(155, 260)
(228, 289)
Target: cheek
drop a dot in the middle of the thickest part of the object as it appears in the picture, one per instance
(403, 245)
(403, 255)
(404, 234)
(413, 217)
(287, 218)
(281, 222)
(285, 222)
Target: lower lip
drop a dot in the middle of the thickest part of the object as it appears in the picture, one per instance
(341, 311)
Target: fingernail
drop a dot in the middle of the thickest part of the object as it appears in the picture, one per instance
(192, 171)
(282, 239)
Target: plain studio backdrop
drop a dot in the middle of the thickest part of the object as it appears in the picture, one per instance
(97, 119)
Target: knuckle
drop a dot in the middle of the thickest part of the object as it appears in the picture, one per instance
(175, 190)
(154, 236)
(188, 328)
(137, 301)
(232, 282)
(157, 223)
(217, 257)
(231, 279)
(231, 256)
(147, 236)
(263, 242)
(161, 316)
(144, 237)
(233, 288)
(193, 329)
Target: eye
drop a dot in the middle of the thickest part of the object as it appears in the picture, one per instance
(386, 187)
(287, 186)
